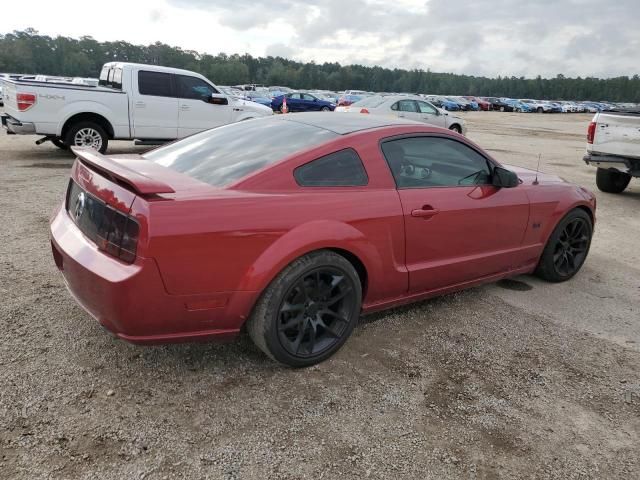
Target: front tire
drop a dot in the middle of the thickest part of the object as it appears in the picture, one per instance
(325, 109)
(87, 134)
(567, 247)
(612, 181)
(308, 311)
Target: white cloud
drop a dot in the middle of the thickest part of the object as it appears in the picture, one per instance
(487, 37)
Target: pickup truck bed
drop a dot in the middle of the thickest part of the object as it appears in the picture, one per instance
(613, 147)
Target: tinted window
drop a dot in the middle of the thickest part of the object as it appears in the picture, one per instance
(306, 96)
(339, 169)
(435, 162)
(154, 83)
(194, 88)
(407, 106)
(225, 154)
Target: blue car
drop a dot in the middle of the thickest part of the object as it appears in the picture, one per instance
(444, 103)
(519, 106)
(302, 102)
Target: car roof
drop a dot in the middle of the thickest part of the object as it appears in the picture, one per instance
(343, 124)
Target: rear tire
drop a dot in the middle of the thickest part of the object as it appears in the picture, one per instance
(540, 110)
(87, 134)
(567, 247)
(308, 311)
(612, 181)
(455, 128)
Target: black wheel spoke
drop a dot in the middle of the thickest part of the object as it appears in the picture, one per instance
(571, 247)
(335, 315)
(293, 322)
(336, 298)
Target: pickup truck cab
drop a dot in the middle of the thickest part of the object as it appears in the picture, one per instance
(613, 147)
(148, 103)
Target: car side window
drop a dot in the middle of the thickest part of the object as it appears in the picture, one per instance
(308, 97)
(426, 108)
(157, 84)
(339, 169)
(407, 106)
(295, 96)
(423, 162)
(194, 88)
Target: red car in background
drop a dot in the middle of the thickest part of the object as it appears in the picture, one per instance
(483, 104)
(294, 225)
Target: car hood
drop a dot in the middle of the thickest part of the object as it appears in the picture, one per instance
(529, 176)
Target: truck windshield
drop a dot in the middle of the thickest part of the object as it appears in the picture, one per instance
(223, 155)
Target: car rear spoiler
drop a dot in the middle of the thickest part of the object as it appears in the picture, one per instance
(139, 183)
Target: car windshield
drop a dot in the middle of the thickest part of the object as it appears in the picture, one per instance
(223, 155)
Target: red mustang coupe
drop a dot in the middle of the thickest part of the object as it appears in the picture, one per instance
(294, 225)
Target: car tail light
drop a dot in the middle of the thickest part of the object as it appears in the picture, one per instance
(591, 132)
(364, 110)
(25, 101)
(118, 235)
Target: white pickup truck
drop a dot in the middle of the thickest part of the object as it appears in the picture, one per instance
(613, 146)
(146, 103)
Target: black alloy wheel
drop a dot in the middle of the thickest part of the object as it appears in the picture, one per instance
(571, 247)
(567, 247)
(308, 311)
(315, 312)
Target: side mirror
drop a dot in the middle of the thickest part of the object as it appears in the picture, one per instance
(218, 99)
(504, 178)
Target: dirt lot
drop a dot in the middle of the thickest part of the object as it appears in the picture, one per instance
(512, 380)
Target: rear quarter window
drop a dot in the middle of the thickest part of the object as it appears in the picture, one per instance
(339, 169)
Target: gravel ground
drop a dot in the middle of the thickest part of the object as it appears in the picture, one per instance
(519, 379)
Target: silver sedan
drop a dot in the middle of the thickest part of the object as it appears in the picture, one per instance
(410, 107)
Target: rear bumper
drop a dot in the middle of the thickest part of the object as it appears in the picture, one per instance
(16, 127)
(622, 164)
(131, 301)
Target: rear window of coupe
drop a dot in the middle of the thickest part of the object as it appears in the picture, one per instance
(226, 154)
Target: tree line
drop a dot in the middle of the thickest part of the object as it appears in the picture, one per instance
(29, 52)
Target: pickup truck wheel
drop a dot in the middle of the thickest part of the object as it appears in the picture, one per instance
(87, 134)
(308, 311)
(567, 247)
(60, 144)
(612, 181)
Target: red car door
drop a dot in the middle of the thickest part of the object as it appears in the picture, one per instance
(458, 226)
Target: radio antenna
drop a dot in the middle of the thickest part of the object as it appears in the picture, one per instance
(535, 182)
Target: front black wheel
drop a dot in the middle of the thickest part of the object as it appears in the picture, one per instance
(612, 181)
(308, 311)
(567, 247)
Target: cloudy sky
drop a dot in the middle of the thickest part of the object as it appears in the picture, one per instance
(480, 37)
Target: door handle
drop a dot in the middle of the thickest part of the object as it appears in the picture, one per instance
(184, 107)
(427, 211)
(401, 115)
(140, 104)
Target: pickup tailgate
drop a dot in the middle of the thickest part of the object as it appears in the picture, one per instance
(9, 92)
(617, 134)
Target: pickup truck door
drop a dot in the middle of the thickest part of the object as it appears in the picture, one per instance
(154, 107)
(196, 112)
